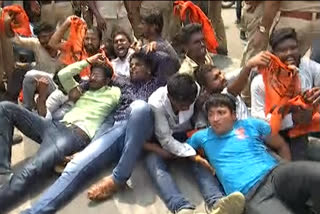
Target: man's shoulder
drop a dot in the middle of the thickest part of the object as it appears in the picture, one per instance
(308, 65)
(115, 90)
(251, 123)
(157, 97)
(204, 133)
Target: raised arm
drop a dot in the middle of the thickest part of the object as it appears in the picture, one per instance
(260, 60)
(24, 42)
(56, 39)
(66, 74)
(7, 25)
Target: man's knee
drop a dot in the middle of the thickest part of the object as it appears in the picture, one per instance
(28, 80)
(140, 107)
(5, 106)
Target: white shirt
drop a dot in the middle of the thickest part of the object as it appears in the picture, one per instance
(241, 108)
(122, 67)
(54, 101)
(167, 123)
(309, 74)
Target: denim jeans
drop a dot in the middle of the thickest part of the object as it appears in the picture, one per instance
(123, 143)
(29, 86)
(57, 141)
(208, 184)
(287, 189)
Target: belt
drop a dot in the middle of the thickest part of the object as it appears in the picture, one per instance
(80, 132)
(300, 15)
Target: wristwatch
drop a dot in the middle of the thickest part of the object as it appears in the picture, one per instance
(262, 29)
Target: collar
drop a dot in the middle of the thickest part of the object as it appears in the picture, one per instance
(194, 64)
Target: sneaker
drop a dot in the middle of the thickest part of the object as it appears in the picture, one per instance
(103, 189)
(231, 204)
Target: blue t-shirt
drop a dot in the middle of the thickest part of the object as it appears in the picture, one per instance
(240, 156)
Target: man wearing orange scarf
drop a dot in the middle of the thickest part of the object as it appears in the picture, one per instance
(288, 76)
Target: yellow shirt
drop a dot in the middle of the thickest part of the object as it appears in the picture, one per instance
(188, 66)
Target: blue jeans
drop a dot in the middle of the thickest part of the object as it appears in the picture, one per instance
(57, 141)
(122, 142)
(208, 184)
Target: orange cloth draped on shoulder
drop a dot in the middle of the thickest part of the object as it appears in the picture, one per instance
(196, 15)
(73, 49)
(20, 25)
(282, 91)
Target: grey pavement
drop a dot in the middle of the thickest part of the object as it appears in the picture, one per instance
(141, 198)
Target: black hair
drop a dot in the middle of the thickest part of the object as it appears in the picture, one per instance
(183, 37)
(182, 88)
(200, 73)
(221, 100)
(280, 35)
(43, 28)
(121, 32)
(108, 71)
(155, 18)
(97, 31)
(145, 58)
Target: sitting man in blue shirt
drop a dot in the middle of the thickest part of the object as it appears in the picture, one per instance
(237, 150)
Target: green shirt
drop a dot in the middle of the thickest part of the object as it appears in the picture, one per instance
(92, 107)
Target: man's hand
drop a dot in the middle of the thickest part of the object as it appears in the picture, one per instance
(136, 46)
(99, 58)
(70, 18)
(312, 95)
(203, 162)
(262, 59)
(42, 87)
(301, 116)
(151, 47)
(35, 8)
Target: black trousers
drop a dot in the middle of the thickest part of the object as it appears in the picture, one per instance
(287, 189)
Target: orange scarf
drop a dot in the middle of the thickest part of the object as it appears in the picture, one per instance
(196, 15)
(21, 25)
(282, 90)
(74, 50)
